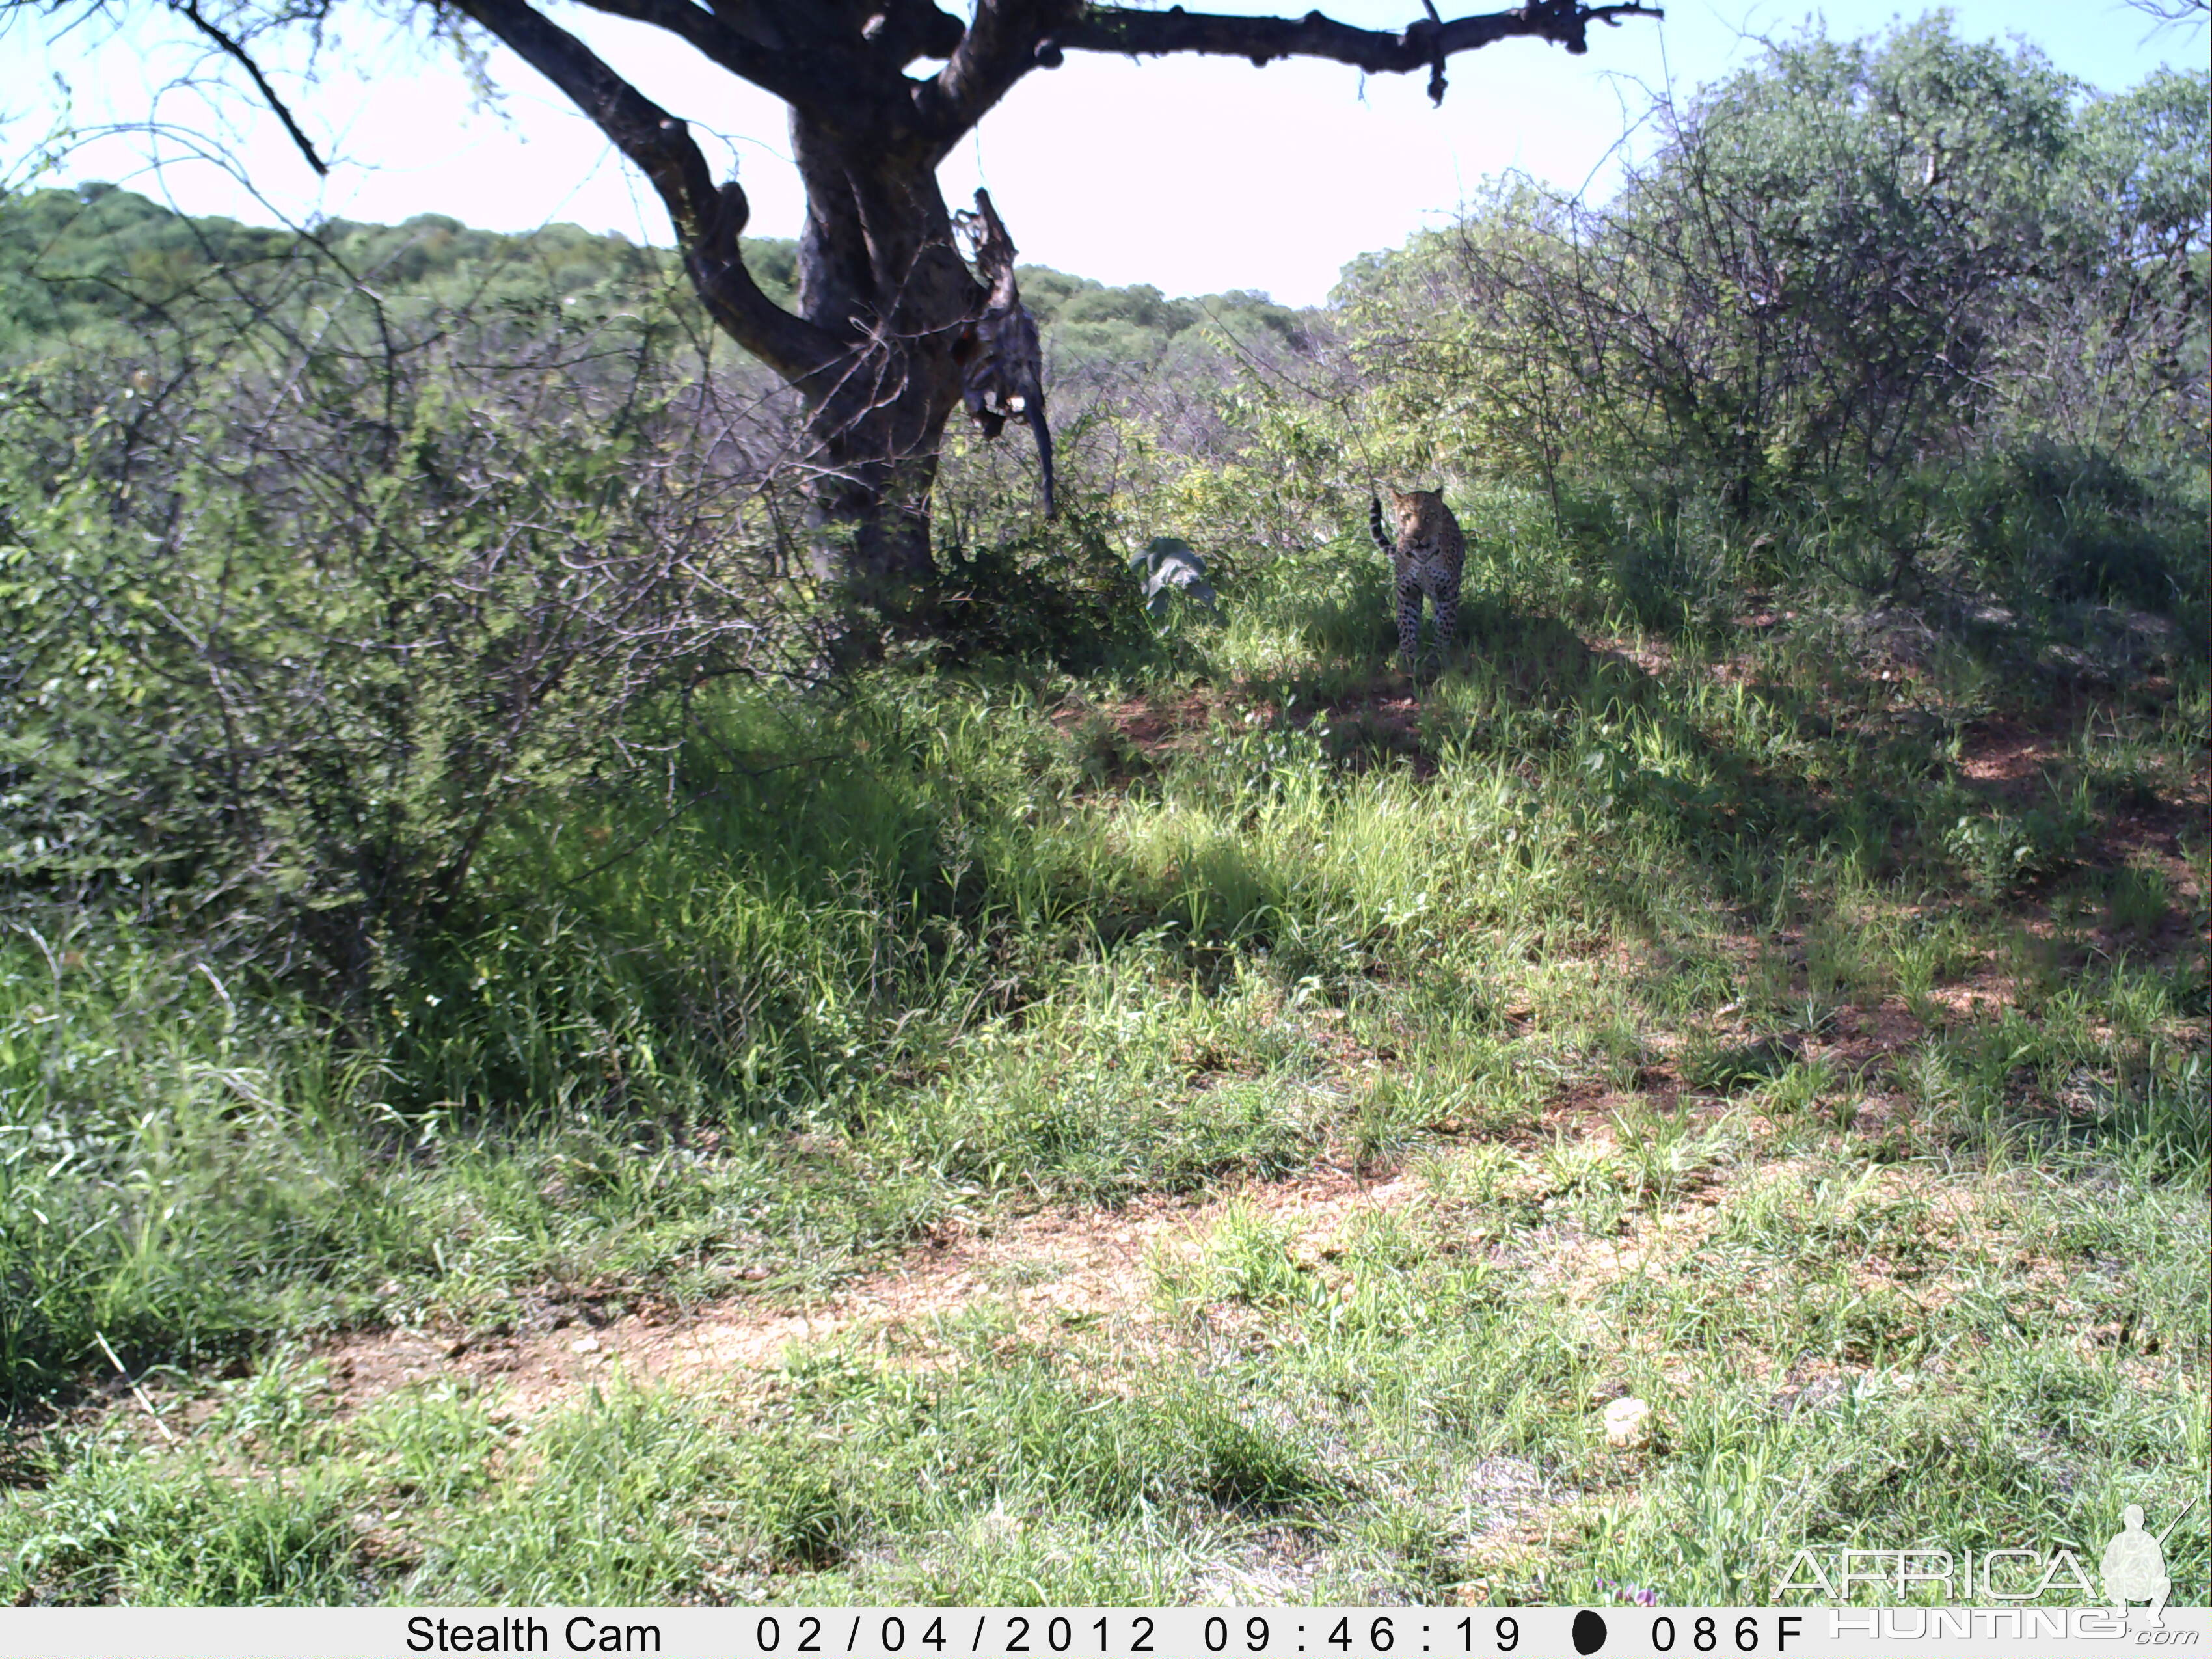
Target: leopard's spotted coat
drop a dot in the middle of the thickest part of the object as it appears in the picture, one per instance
(1426, 558)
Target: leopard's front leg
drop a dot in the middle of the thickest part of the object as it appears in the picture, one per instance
(1409, 621)
(1446, 598)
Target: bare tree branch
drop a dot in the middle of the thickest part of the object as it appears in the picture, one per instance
(2179, 13)
(1006, 39)
(188, 10)
(733, 36)
(707, 221)
(1418, 45)
(749, 18)
(1009, 38)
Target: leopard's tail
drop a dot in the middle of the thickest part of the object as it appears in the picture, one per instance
(1375, 524)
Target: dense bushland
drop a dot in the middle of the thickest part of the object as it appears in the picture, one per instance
(439, 888)
(296, 615)
(1841, 281)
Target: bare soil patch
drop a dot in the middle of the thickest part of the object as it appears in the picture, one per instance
(1051, 1271)
(2010, 756)
(1154, 726)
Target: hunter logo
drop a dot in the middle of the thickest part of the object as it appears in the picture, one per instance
(2135, 1565)
(2133, 1570)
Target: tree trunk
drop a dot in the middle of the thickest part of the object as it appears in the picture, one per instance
(868, 539)
(877, 263)
(883, 296)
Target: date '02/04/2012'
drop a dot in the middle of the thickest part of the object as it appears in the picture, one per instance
(935, 1635)
(1094, 1632)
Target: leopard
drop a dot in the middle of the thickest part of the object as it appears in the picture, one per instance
(1427, 557)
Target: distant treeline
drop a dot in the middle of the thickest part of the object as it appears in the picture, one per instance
(83, 266)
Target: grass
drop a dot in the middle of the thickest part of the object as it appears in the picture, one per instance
(1710, 1018)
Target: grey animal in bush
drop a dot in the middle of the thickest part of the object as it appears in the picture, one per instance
(1169, 566)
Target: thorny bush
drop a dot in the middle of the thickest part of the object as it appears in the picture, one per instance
(293, 609)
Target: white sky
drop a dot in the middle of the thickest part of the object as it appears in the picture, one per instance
(1196, 174)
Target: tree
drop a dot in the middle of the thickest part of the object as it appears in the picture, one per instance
(2175, 13)
(1848, 261)
(888, 312)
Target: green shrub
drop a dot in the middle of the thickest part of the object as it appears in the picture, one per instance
(2003, 852)
(2066, 524)
(282, 647)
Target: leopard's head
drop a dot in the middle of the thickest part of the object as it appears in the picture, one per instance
(1417, 511)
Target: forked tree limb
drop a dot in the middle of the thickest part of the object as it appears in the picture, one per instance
(840, 67)
(1005, 40)
(707, 219)
(796, 49)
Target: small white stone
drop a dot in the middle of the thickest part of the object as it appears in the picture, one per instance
(1627, 1422)
(585, 1345)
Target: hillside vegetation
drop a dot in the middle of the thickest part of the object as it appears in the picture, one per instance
(99, 266)
(514, 1088)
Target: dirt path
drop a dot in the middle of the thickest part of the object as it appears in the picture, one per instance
(1054, 1270)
